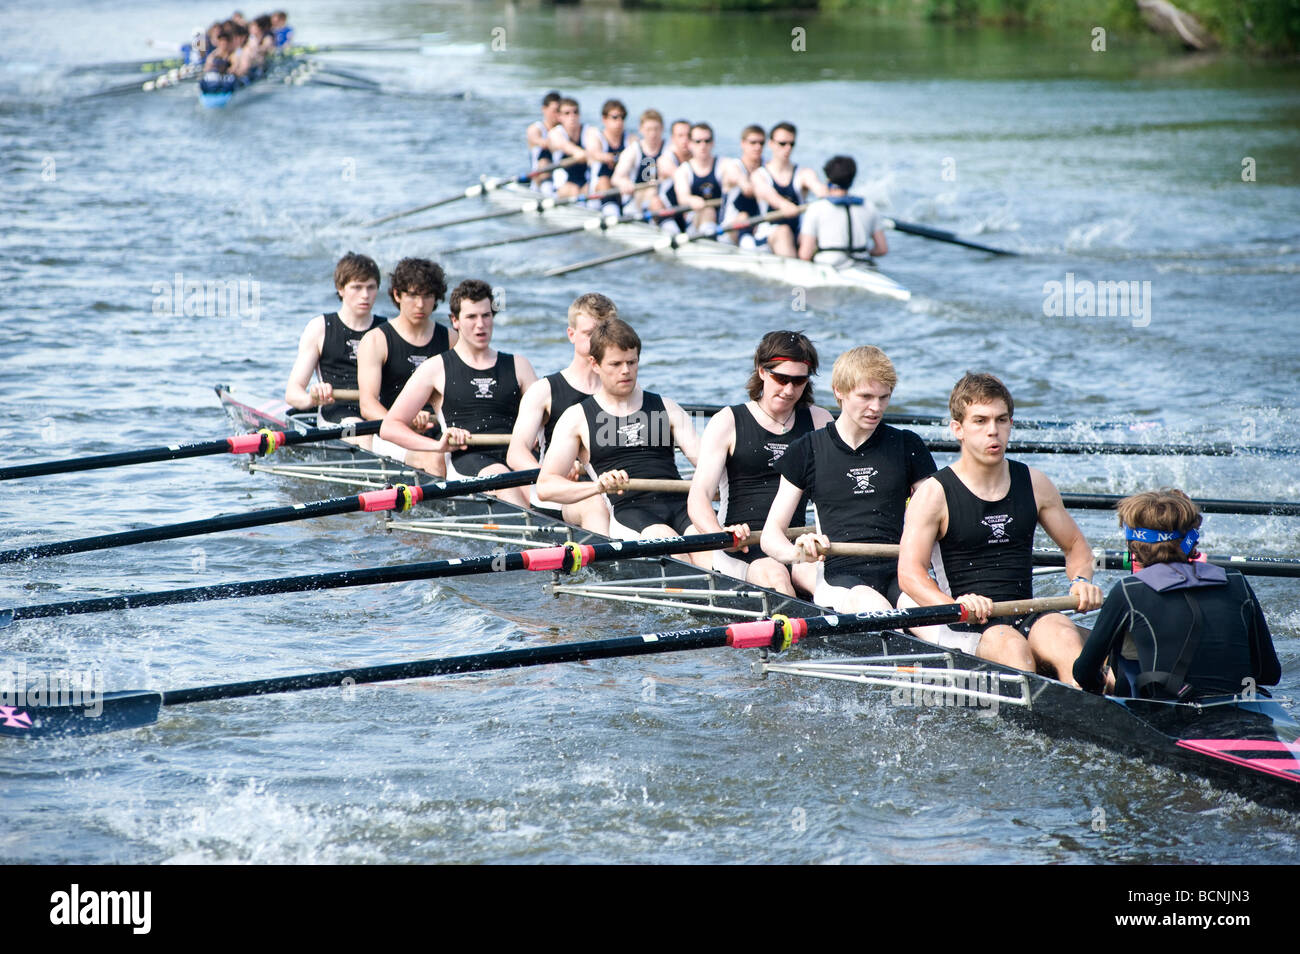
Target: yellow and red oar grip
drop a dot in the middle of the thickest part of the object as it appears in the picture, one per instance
(401, 498)
(778, 633)
(264, 441)
(571, 557)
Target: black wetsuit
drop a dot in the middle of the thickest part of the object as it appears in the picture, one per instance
(1189, 624)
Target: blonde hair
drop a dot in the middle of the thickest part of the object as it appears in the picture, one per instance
(859, 365)
(1164, 509)
(594, 305)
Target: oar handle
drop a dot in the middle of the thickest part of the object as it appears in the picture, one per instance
(347, 394)
(861, 549)
(658, 485)
(1046, 604)
(489, 440)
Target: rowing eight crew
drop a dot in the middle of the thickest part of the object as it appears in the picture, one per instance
(239, 47)
(838, 228)
(971, 524)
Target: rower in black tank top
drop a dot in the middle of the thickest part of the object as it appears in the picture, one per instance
(338, 364)
(752, 480)
(404, 357)
(482, 401)
(563, 396)
(641, 444)
(860, 495)
(988, 547)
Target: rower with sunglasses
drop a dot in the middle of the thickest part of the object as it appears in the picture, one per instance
(1177, 627)
(699, 180)
(781, 186)
(603, 147)
(739, 452)
(859, 473)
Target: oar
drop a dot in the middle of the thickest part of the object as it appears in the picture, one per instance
(570, 557)
(488, 184)
(400, 497)
(671, 242)
(170, 78)
(538, 205)
(1248, 565)
(264, 441)
(910, 420)
(136, 708)
(1263, 508)
(1134, 450)
(603, 223)
(939, 235)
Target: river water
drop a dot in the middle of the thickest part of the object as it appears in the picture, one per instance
(1098, 166)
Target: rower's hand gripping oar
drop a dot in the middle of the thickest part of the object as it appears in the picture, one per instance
(133, 709)
(669, 242)
(487, 184)
(264, 441)
(939, 235)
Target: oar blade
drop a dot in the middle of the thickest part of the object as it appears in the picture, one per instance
(109, 712)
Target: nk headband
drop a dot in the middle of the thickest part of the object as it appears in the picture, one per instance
(1143, 535)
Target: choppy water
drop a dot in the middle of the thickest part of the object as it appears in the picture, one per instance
(1125, 166)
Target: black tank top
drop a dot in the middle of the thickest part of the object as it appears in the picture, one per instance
(640, 443)
(338, 362)
(404, 357)
(647, 166)
(563, 396)
(483, 401)
(706, 186)
(752, 481)
(989, 545)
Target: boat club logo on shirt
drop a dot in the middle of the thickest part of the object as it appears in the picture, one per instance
(861, 477)
(353, 344)
(417, 359)
(777, 450)
(483, 386)
(632, 434)
(997, 523)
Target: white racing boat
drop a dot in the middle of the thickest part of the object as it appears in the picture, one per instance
(702, 254)
(1248, 745)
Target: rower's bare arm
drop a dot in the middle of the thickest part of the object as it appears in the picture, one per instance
(533, 408)
(558, 140)
(591, 146)
(536, 136)
(524, 373)
(1060, 526)
(922, 527)
(879, 246)
(807, 244)
(766, 193)
(683, 427)
(567, 440)
(809, 182)
(299, 391)
(773, 541)
(682, 180)
(736, 176)
(715, 445)
(623, 172)
(408, 411)
(820, 416)
(371, 355)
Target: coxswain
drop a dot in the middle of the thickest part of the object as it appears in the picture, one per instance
(982, 512)
(474, 388)
(566, 142)
(539, 153)
(619, 432)
(551, 396)
(646, 159)
(603, 147)
(1177, 627)
(698, 181)
(841, 229)
(389, 354)
(781, 186)
(327, 348)
(739, 452)
(858, 473)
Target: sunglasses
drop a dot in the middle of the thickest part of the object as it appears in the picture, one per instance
(710, 139)
(798, 380)
(783, 142)
(617, 116)
(753, 142)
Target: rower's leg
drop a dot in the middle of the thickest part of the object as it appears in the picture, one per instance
(431, 462)
(781, 241)
(591, 514)
(513, 495)
(1056, 643)
(771, 574)
(704, 220)
(804, 577)
(1005, 645)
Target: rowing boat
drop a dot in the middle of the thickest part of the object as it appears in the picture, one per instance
(1247, 745)
(707, 254)
(217, 90)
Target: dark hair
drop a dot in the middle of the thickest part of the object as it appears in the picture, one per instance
(419, 275)
(471, 289)
(695, 126)
(354, 268)
(611, 105)
(613, 333)
(1165, 509)
(788, 127)
(570, 101)
(779, 346)
(976, 388)
(840, 171)
(552, 97)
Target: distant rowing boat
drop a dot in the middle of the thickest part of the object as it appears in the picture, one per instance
(711, 254)
(217, 90)
(1246, 745)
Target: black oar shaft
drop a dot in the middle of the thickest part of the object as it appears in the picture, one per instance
(1248, 565)
(149, 455)
(1262, 508)
(1098, 447)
